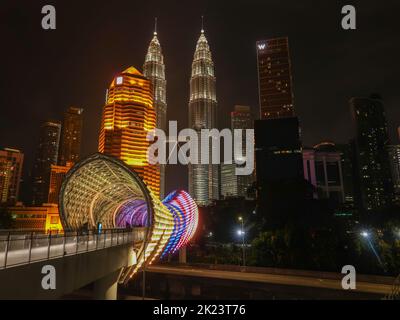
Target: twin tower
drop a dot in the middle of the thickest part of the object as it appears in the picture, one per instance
(136, 103)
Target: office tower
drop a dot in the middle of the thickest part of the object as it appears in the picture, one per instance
(274, 78)
(278, 150)
(229, 181)
(154, 70)
(279, 169)
(323, 169)
(46, 155)
(71, 135)
(233, 185)
(11, 161)
(128, 117)
(374, 183)
(394, 158)
(203, 178)
(57, 175)
(347, 159)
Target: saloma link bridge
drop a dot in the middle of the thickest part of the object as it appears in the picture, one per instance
(113, 227)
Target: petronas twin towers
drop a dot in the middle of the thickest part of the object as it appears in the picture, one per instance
(203, 179)
(154, 70)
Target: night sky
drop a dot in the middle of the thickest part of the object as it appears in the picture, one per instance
(43, 72)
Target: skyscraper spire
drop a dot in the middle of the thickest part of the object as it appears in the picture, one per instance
(203, 178)
(154, 70)
(202, 24)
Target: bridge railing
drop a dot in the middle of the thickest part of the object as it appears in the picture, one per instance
(17, 248)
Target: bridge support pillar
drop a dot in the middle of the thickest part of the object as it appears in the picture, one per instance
(106, 288)
(182, 255)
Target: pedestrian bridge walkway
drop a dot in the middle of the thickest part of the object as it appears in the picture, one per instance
(19, 248)
(78, 258)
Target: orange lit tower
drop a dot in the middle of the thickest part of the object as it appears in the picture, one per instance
(128, 116)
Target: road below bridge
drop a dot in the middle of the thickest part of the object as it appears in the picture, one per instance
(193, 282)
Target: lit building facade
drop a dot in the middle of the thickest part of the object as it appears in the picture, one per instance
(394, 158)
(128, 117)
(43, 218)
(233, 185)
(46, 155)
(374, 183)
(57, 176)
(11, 162)
(203, 178)
(323, 169)
(229, 180)
(154, 70)
(274, 78)
(71, 136)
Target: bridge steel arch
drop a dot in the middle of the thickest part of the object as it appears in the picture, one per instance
(101, 190)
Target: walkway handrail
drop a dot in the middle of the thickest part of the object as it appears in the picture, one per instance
(17, 248)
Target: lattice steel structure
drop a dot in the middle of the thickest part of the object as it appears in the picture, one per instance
(104, 190)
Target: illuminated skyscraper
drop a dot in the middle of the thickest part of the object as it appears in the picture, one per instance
(373, 184)
(233, 185)
(46, 155)
(274, 79)
(154, 70)
(127, 117)
(203, 178)
(11, 161)
(71, 134)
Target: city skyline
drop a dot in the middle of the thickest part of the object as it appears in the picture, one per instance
(321, 105)
(199, 150)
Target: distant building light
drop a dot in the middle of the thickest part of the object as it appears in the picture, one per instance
(119, 80)
(261, 46)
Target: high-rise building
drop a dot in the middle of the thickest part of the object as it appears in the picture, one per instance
(323, 169)
(374, 183)
(203, 178)
(279, 166)
(57, 175)
(278, 150)
(233, 185)
(394, 158)
(46, 155)
(278, 147)
(274, 78)
(229, 181)
(154, 70)
(128, 117)
(71, 135)
(11, 161)
(347, 159)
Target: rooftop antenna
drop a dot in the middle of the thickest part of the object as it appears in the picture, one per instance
(155, 26)
(202, 24)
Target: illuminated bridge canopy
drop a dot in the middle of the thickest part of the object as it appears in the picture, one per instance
(103, 190)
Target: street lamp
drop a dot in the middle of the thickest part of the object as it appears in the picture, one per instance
(241, 233)
(367, 236)
(364, 234)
